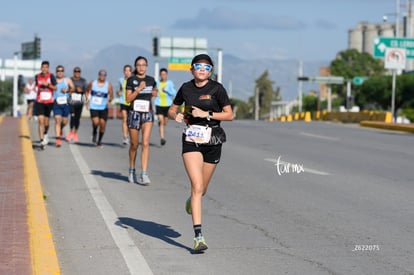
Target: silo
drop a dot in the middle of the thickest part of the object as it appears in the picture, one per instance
(355, 39)
(370, 32)
(387, 30)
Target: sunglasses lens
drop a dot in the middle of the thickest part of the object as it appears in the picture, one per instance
(198, 66)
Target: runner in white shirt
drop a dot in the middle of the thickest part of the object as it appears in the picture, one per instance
(30, 97)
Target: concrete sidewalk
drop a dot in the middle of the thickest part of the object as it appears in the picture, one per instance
(26, 245)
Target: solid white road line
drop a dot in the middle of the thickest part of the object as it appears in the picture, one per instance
(132, 255)
(318, 136)
(306, 169)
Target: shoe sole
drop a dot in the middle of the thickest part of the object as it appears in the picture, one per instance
(201, 247)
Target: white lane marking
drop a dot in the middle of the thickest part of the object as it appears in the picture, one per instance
(307, 170)
(132, 255)
(318, 136)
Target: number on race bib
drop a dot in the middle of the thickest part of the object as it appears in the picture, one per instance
(62, 100)
(45, 95)
(198, 134)
(96, 100)
(76, 97)
(141, 105)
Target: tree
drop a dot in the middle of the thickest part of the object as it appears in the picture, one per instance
(266, 93)
(242, 109)
(6, 95)
(310, 103)
(375, 92)
(350, 64)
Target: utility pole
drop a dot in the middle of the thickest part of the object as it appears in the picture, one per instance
(220, 65)
(409, 27)
(394, 71)
(256, 101)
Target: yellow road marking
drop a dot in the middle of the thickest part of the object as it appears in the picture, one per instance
(43, 254)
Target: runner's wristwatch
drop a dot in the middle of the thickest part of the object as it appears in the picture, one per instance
(210, 115)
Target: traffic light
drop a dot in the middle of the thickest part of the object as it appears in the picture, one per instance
(155, 46)
(37, 52)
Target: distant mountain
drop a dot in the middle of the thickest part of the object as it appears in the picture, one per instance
(238, 74)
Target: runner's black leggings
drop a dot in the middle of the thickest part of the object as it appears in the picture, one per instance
(75, 115)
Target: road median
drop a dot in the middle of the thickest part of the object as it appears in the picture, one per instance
(389, 126)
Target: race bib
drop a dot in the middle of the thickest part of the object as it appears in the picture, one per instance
(45, 96)
(62, 100)
(198, 134)
(141, 105)
(76, 97)
(96, 100)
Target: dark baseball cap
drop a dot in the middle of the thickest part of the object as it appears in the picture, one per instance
(202, 57)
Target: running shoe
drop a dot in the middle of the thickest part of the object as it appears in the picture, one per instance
(144, 179)
(58, 142)
(75, 137)
(132, 178)
(125, 140)
(163, 141)
(69, 136)
(200, 244)
(188, 206)
(46, 139)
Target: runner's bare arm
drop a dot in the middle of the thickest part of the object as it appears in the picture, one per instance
(172, 113)
(111, 93)
(226, 114)
(132, 94)
(71, 86)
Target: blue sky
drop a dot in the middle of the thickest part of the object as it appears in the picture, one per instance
(295, 29)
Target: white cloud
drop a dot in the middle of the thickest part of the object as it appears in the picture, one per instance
(226, 19)
(9, 30)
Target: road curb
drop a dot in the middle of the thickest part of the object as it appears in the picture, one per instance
(43, 254)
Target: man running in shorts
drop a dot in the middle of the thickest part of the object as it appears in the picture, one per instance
(206, 105)
(77, 98)
(123, 104)
(46, 84)
(61, 106)
(100, 94)
(163, 101)
(140, 89)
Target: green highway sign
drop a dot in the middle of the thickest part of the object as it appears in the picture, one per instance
(180, 60)
(382, 43)
(358, 80)
(179, 63)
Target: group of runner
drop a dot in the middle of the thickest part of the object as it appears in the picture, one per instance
(206, 104)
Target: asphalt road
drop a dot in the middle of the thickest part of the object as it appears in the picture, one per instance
(287, 198)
